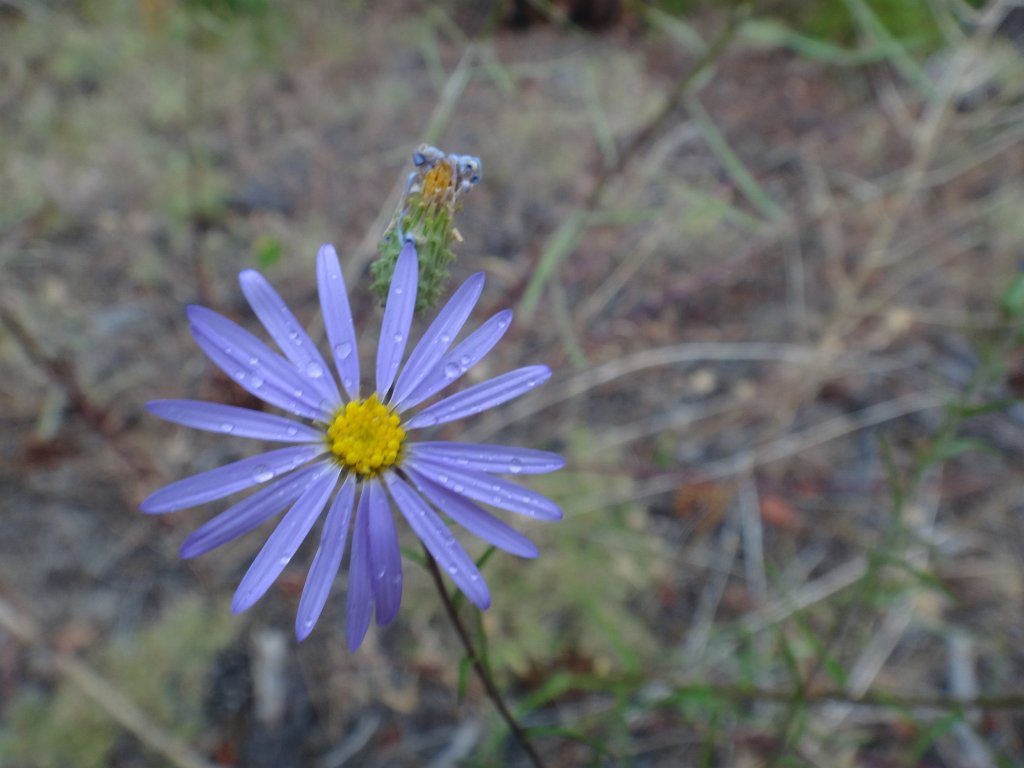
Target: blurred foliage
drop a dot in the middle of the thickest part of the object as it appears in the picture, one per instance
(162, 669)
(579, 598)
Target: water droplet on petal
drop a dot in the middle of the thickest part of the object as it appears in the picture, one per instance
(459, 488)
(343, 350)
(399, 338)
(255, 382)
(239, 376)
(465, 362)
(262, 473)
(445, 338)
(227, 428)
(314, 370)
(292, 431)
(452, 570)
(283, 561)
(254, 360)
(451, 370)
(515, 466)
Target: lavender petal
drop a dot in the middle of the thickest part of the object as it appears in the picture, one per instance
(286, 331)
(464, 356)
(248, 514)
(482, 457)
(285, 541)
(394, 330)
(438, 337)
(488, 489)
(474, 519)
(439, 541)
(338, 319)
(481, 396)
(385, 565)
(327, 560)
(254, 366)
(360, 594)
(230, 420)
(223, 481)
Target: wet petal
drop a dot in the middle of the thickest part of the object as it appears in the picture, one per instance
(248, 514)
(229, 420)
(385, 565)
(474, 519)
(285, 541)
(254, 366)
(223, 481)
(501, 459)
(394, 330)
(327, 560)
(489, 490)
(285, 330)
(360, 594)
(464, 356)
(439, 541)
(481, 396)
(338, 319)
(438, 337)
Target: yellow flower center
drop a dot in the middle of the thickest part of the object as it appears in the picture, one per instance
(365, 436)
(437, 182)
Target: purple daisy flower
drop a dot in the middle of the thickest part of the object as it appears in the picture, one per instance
(357, 445)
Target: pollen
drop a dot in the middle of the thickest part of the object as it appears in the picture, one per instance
(438, 182)
(365, 436)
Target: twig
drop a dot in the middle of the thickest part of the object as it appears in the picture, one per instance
(62, 372)
(481, 671)
(103, 693)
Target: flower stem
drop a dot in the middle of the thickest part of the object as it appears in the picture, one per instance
(481, 671)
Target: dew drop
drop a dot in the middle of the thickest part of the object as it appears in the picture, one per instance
(262, 473)
(445, 338)
(399, 290)
(307, 624)
(239, 376)
(292, 431)
(314, 370)
(254, 360)
(515, 466)
(443, 479)
(283, 561)
(459, 488)
(451, 370)
(465, 362)
(452, 570)
(297, 393)
(399, 338)
(382, 574)
(227, 428)
(496, 499)
(343, 350)
(255, 382)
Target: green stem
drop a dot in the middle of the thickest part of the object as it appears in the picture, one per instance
(481, 671)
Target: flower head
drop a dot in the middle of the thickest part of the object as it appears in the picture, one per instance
(356, 448)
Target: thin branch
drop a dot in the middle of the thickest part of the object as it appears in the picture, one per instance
(481, 671)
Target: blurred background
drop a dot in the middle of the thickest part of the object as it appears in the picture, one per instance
(772, 252)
